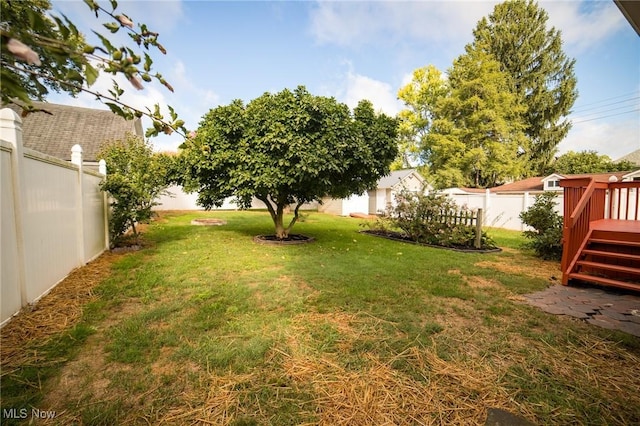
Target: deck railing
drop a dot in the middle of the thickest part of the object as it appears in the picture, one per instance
(624, 200)
(586, 201)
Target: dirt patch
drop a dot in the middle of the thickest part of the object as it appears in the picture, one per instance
(208, 222)
(545, 270)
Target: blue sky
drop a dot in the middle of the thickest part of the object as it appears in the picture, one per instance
(220, 51)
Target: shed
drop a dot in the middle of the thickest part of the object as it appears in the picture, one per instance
(376, 200)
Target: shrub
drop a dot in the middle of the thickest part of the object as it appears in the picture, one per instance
(135, 178)
(546, 236)
(429, 219)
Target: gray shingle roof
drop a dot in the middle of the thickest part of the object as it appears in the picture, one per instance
(394, 178)
(54, 134)
(633, 157)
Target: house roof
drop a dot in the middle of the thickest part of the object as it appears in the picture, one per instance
(632, 157)
(54, 134)
(529, 184)
(631, 10)
(537, 183)
(397, 176)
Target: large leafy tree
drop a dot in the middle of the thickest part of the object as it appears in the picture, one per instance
(40, 51)
(287, 148)
(588, 162)
(518, 36)
(468, 127)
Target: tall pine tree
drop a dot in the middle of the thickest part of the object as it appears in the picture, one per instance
(516, 34)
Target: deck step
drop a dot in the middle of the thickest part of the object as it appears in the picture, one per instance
(605, 281)
(614, 242)
(613, 254)
(608, 267)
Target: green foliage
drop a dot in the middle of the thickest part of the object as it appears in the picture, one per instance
(135, 178)
(588, 162)
(502, 110)
(420, 96)
(430, 219)
(41, 51)
(516, 34)
(478, 129)
(287, 148)
(546, 238)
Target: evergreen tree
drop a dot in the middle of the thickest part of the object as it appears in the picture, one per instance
(516, 34)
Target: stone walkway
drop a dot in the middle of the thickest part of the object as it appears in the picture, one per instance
(605, 308)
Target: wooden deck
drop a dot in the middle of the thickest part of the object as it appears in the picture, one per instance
(613, 225)
(601, 233)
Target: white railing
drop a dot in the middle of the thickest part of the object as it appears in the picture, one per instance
(53, 218)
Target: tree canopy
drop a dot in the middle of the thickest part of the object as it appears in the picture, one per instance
(517, 35)
(287, 148)
(468, 127)
(500, 111)
(588, 162)
(41, 51)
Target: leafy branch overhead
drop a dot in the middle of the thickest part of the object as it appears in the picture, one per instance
(43, 52)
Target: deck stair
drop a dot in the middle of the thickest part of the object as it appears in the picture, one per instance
(601, 240)
(610, 258)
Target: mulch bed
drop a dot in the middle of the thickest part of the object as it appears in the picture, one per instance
(57, 311)
(397, 236)
(290, 240)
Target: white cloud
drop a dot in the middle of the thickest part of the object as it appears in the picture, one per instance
(356, 87)
(612, 139)
(357, 23)
(583, 27)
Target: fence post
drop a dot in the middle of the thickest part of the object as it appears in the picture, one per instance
(76, 158)
(102, 168)
(11, 130)
(478, 242)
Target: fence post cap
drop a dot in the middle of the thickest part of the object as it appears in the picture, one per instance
(76, 148)
(102, 166)
(9, 114)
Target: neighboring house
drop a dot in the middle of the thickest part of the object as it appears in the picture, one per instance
(376, 200)
(54, 132)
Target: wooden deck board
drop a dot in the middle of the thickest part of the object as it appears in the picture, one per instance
(613, 225)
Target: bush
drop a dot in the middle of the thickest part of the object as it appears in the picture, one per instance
(422, 218)
(135, 178)
(546, 238)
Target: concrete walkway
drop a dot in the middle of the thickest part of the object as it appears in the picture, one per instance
(605, 308)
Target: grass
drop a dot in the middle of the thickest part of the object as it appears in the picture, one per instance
(205, 326)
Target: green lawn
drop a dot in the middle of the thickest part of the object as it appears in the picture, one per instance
(204, 326)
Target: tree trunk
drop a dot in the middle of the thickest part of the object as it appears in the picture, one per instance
(281, 232)
(276, 210)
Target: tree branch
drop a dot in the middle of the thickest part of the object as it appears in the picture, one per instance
(295, 216)
(97, 95)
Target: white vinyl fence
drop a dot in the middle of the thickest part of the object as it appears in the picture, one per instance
(54, 218)
(502, 210)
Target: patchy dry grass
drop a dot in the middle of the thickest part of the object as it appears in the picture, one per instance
(203, 326)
